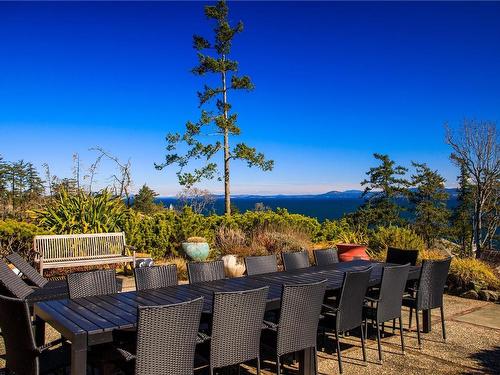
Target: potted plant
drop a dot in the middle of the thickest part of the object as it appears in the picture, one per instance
(196, 248)
(232, 245)
(353, 245)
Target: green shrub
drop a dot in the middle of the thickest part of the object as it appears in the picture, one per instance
(472, 273)
(83, 213)
(17, 236)
(333, 230)
(403, 238)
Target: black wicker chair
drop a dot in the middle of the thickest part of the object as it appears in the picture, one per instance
(23, 356)
(256, 265)
(299, 315)
(325, 257)
(387, 305)
(92, 283)
(236, 327)
(429, 292)
(401, 256)
(205, 271)
(13, 286)
(295, 260)
(32, 274)
(348, 312)
(155, 277)
(166, 339)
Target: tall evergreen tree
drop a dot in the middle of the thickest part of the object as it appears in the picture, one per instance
(144, 201)
(383, 187)
(218, 120)
(429, 197)
(463, 213)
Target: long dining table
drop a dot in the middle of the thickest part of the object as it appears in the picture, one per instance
(90, 321)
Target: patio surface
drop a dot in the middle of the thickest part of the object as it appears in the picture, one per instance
(473, 346)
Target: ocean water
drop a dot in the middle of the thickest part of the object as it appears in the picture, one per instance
(320, 208)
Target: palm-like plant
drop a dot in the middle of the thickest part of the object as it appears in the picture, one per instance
(83, 213)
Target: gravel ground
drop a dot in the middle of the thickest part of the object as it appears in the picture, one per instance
(470, 349)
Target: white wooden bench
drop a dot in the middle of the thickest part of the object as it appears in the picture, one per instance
(75, 250)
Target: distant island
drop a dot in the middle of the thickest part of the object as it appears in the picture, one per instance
(330, 205)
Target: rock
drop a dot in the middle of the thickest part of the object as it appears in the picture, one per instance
(484, 295)
(492, 295)
(470, 294)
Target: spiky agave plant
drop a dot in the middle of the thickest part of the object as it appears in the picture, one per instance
(83, 213)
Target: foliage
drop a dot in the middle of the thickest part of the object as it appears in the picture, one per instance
(200, 200)
(471, 273)
(384, 186)
(181, 264)
(218, 119)
(21, 187)
(353, 236)
(279, 239)
(429, 198)
(17, 236)
(230, 241)
(144, 201)
(461, 219)
(83, 213)
(332, 230)
(196, 239)
(476, 149)
(403, 238)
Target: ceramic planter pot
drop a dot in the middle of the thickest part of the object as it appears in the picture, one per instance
(234, 266)
(197, 251)
(350, 251)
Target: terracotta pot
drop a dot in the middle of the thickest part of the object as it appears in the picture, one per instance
(234, 266)
(351, 251)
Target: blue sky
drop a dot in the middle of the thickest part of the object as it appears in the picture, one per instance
(335, 82)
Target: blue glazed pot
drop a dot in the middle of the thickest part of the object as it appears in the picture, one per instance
(197, 251)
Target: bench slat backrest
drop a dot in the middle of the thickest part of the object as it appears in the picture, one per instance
(55, 248)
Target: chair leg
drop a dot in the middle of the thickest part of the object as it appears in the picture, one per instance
(418, 330)
(442, 322)
(409, 323)
(379, 344)
(258, 365)
(366, 328)
(338, 350)
(402, 337)
(315, 361)
(393, 325)
(383, 329)
(363, 344)
(278, 365)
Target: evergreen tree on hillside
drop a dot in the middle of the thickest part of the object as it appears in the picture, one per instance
(144, 201)
(429, 197)
(384, 185)
(463, 213)
(218, 121)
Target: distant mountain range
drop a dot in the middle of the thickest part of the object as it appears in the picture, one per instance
(347, 194)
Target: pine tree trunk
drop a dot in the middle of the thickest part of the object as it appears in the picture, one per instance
(227, 156)
(227, 191)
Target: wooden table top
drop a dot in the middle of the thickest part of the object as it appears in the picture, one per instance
(100, 315)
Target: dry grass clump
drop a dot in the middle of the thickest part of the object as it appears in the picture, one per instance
(262, 240)
(230, 241)
(469, 273)
(181, 264)
(278, 239)
(196, 239)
